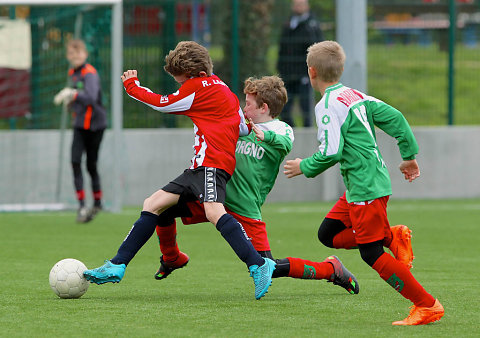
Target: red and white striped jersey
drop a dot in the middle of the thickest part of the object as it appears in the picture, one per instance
(214, 110)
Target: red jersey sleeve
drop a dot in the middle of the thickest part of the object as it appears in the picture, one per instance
(178, 102)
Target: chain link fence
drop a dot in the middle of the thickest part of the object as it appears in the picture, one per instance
(409, 47)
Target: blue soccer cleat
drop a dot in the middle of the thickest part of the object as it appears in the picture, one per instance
(107, 273)
(262, 277)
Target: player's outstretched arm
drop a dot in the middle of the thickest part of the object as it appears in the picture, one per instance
(292, 168)
(410, 169)
(129, 74)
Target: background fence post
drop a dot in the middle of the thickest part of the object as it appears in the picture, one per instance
(451, 60)
(352, 17)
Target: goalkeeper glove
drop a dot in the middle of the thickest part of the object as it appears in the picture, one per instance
(64, 96)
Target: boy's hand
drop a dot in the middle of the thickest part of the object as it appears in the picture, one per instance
(410, 169)
(258, 132)
(129, 74)
(292, 168)
(64, 96)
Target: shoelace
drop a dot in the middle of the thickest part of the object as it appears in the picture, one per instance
(254, 274)
(103, 267)
(413, 309)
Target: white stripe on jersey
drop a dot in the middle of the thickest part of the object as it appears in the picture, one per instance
(180, 105)
(199, 157)
(329, 125)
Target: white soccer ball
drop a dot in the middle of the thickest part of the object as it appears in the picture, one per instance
(67, 280)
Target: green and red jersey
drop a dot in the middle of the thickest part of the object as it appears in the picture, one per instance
(346, 120)
(257, 168)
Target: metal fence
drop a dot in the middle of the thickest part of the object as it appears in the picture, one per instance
(415, 61)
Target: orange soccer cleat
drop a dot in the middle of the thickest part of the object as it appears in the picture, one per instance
(423, 315)
(401, 245)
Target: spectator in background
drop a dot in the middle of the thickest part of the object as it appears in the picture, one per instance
(301, 31)
(83, 98)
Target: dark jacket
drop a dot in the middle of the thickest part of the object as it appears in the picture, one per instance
(88, 111)
(293, 47)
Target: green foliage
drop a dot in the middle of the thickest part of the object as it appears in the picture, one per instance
(414, 79)
(253, 37)
(213, 295)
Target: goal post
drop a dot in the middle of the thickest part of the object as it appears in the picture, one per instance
(116, 91)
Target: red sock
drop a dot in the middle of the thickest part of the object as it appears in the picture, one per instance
(80, 195)
(97, 195)
(305, 269)
(167, 236)
(401, 279)
(345, 239)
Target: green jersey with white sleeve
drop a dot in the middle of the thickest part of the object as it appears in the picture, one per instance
(257, 167)
(346, 120)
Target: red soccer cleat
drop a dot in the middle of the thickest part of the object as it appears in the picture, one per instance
(166, 268)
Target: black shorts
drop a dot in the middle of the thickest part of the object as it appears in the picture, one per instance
(205, 184)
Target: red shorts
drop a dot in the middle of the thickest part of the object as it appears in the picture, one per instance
(367, 219)
(256, 229)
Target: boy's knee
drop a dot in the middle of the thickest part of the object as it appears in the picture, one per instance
(148, 204)
(370, 252)
(328, 229)
(213, 211)
(91, 166)
(157, 202)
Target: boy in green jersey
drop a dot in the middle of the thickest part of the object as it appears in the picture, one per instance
(258, 158)
(346, 119)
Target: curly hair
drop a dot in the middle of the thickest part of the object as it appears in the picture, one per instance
(268, 89)
(188, 58)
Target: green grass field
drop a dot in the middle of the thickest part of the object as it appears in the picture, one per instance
(213, 295)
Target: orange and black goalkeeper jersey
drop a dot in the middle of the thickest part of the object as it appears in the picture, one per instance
(86, 107)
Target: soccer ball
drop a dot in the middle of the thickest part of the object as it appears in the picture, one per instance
(67, 280)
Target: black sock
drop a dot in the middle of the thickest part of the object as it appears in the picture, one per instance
(140, 233)
(235, 235)
(282, 268)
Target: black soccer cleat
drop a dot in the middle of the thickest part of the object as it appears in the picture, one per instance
(166, 269)
(341, 276)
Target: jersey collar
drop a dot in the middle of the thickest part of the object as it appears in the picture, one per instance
(328, 90)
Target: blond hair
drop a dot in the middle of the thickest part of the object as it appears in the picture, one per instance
(268, 89)
(328, 59)
(77, 45)
(188, 58)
